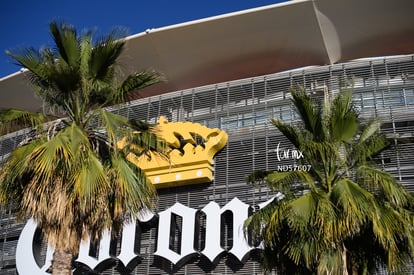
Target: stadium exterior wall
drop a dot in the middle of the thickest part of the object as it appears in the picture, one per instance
(382, 86)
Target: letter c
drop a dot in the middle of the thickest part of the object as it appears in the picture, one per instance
(26, 262)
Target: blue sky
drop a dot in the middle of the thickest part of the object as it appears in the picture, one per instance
(25, 22)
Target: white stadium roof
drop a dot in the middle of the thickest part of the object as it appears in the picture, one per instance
(255, 42)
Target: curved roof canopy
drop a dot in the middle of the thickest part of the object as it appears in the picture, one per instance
(255, 42)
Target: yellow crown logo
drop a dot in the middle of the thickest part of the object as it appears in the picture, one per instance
(191, 154)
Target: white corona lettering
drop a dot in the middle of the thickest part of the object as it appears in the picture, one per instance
(27, 261)
(187, 235)
(127, 254)
(103, 254)
(213, 213)
(28, 254)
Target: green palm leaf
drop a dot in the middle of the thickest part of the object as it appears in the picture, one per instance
(309, 112)
(354, 203)
(343, 118)
(65, 38)
(380, 181)
(13, 119)
(135, 82)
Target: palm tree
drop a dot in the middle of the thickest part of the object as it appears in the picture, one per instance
(343, 214)
(71, 175)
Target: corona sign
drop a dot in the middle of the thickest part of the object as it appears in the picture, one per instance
(28, 252)
(190, 157)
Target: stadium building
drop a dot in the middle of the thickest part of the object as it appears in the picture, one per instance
(233, 72)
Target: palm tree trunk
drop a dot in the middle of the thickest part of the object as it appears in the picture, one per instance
(62, 262)
(344, 261)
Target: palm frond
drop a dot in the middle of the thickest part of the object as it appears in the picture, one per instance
(343, 118)
(331, 262)
(304, 250)
(313, 213)
(54, 155)
(12, 119)
(66, 40)
(290, 182)
(384, 185)
(392, 232)
(302, 213)
(113, 125)
(133, 192)
(309, 112)
(31, 59)
(367, 150)
(85, 48)
(355, 205)
(90, 179)
(370, 129)
(293, 134)
(325, 160)
(257, 177)
(135, 82)
(16, 171)
(103, 57)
